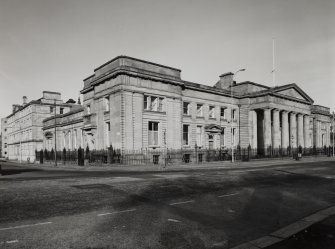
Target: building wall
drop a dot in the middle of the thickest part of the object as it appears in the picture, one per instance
(24, 126)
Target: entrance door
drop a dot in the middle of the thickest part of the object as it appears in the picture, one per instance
(210, 142)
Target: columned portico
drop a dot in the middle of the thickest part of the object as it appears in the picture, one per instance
(307, 142)
(293, 130)
(285, 135)
(300, 130)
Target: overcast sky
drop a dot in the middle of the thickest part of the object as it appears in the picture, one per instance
(54, 45)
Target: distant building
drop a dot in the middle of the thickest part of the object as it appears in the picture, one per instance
(133, 104)
(69, 131)
(22, 130)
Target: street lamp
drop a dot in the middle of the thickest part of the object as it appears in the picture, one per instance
(231, 122)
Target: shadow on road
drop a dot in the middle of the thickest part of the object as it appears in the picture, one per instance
(12, 171)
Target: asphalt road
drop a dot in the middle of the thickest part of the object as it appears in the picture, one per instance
(198, 209)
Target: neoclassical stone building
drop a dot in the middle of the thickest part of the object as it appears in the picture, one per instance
(133, 104)
(22, 129)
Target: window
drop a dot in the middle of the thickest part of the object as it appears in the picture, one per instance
(223, 112)
(61, 111)
(211, 111)
(185, 134)
(187, 108)
(51, 109)
(106, 104)
(152, 103)
(88, 108)
(233, 114)
(108, 129)
(199, 110)
(153, 133)
(199, 135)
(233, 135)
(223, 138)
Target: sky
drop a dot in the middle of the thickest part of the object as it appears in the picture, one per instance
(53, 45)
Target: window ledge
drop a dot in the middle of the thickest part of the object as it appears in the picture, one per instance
(201, 117)
(212, 118)
(154, 147)
(150, 111)
(187, 115)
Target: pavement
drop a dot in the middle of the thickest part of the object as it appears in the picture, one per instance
(174, 167)
(257, 204)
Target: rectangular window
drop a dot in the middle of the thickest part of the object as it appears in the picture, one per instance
(108, 128)
(223, 112)
(88, 108)
(61, 110)
(223, 138)
(151, 103)
(153, 133)
(185, 134)
(107, 104)
(233, 114)
(233, 135)
(154, 104)
(187, 108)
(200, 110)
(199, 135)
(211, 111)
(51, 109)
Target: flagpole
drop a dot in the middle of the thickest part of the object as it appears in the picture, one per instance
(273, 63)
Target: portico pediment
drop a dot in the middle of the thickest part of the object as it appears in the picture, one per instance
(292, 91)
(212, 128)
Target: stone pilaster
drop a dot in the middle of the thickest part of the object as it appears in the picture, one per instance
(293, 130)
(300, 129)
(285, 135)
(276, 129)
(307, 142)
(267, 128)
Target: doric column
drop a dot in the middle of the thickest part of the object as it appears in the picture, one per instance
(307, 142)
(254, 129)
(293, 130)
(285, 135)
(318, 134)
(267, 128)
(276, 129)
(300, 129)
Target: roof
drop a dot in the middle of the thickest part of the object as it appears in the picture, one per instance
(132, 58)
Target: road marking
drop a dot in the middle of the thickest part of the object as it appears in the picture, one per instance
(24, 226)
(220, 196)
(12, 241)
(182, 202)
(173, 220)
(117, 212)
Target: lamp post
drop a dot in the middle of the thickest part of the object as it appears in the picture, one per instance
(231, 122)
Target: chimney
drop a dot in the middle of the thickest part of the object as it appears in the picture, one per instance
(226, 80)
(24, 99)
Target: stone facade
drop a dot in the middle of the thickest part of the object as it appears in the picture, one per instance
(133, 104)
(22, 129)
(68, 130)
